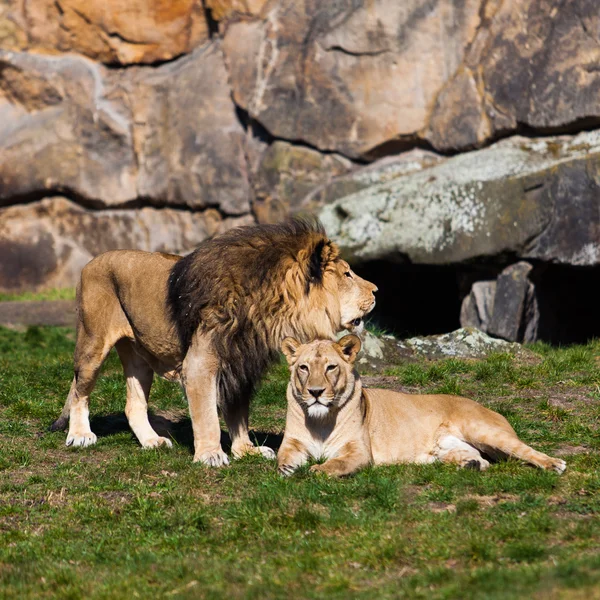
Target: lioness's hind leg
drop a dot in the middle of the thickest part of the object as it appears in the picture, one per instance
(139, 377)
(509, 444)
(451, 449)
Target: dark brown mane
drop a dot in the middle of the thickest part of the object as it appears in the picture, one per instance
(236, 287)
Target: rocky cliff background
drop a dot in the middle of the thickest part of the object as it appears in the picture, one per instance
(450, 146)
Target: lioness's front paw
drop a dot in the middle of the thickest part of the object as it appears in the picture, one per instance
(320, 469)
(83, 439)
(212, 458)
(558, 465)
(157, 441)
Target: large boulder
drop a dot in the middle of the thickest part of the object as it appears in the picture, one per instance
(110, 31)
(532, 64)
(528, 198)
(347, 76)
(45, 244)
(164, 135)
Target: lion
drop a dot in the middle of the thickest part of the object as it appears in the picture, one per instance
(212, 320)
(331, 416)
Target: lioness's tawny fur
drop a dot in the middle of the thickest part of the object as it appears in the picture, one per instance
(212, 320)
(330, 415)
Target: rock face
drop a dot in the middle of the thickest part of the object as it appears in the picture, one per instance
(169, 135)
(47, 243)
(533, 63)
(536, 199)
(347, 76)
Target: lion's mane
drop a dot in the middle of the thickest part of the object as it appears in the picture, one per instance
(246, 288)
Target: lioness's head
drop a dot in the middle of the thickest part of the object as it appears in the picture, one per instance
(322, 373)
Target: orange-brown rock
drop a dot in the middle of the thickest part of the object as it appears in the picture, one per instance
(224, 9)
(110, 31)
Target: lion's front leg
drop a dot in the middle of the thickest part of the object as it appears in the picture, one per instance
(236, 418)
(199, 378)
(352, 457)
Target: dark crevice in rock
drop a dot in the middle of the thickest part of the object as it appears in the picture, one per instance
(398, 146)
(426, 299)
(213, 24)
(264, 135)
(355, 53)
(98, 206)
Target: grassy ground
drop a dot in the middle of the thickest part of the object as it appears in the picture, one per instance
(54, 294)
(114, 521)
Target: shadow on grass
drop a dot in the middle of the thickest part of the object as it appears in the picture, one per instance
(176, 427)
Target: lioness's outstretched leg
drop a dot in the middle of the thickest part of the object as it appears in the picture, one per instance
(199, 378)
(236, 418)
(504, 440)
(139, 377)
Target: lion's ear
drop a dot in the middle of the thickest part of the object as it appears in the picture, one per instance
(317, 263)
(350, 347)
(289, 347)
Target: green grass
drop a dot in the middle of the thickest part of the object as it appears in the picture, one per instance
(54, 294)
(115, 521)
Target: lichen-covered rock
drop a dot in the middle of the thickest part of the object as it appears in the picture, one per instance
(462, 343)
(110, 31)
(46, 244)
(532, 198)
(347, 76)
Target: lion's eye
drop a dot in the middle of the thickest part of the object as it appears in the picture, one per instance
(348, 274)
(303, 368)
(331, 368)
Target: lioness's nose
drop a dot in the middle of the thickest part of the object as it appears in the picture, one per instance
(316, 392)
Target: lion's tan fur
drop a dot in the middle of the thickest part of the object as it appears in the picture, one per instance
(123, 303)
(351, 426)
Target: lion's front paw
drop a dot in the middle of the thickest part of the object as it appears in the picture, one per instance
(83, 438)
(286, 470)
(155, 442)
(212, 458)
(320, 469)
(243, 450)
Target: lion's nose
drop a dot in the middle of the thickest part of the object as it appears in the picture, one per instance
(316, 392)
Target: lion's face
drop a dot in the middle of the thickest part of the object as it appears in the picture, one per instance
(356, 296)
(322, 375)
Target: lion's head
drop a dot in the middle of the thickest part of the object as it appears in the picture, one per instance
(322, 373)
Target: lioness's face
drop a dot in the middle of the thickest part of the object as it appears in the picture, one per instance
(356, 297)
(321, 373)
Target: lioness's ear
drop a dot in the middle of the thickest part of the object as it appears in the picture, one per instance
(350, 346)
(289, 347)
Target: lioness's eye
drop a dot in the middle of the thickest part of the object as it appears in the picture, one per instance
(303, 368)
(348, 274)
(331, 368)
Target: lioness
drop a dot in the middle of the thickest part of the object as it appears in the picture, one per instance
(330, 415)
(213, 320)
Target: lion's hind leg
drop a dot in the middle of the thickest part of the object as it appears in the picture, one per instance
(139, 377)
(451, 449)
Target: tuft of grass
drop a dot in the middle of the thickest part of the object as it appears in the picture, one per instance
(52, 294)
(116, 521)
